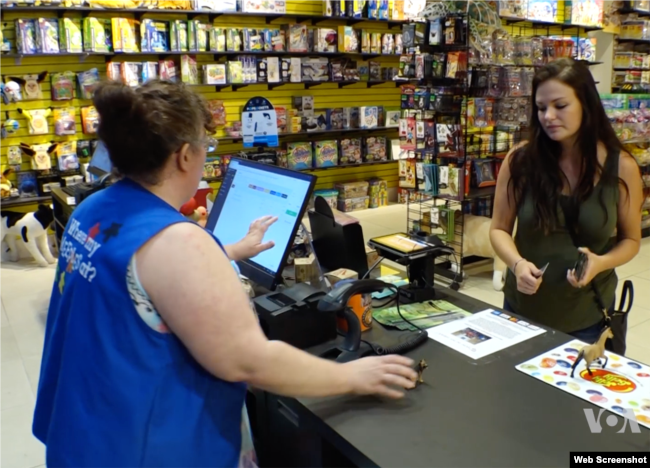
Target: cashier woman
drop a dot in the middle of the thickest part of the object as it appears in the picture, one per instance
(150, 340)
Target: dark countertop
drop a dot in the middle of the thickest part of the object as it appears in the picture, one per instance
(468, 413)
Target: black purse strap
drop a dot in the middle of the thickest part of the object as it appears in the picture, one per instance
(571, 214)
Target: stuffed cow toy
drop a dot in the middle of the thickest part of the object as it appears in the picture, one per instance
(30, 228)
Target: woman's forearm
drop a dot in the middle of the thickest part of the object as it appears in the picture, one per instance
(287, 371)
(624, 251)
(505, 247)
(232, 251)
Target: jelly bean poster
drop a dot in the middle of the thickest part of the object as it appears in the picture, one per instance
(619, 385)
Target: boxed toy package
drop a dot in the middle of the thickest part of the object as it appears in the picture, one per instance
(352, 189)
(378, 193)
(98, 35)
(125, 35)
(25, 36)
(299, 156)
(350, 151)
(197, 36)
(329, 195)
(326, 153)
(64, 120)
(353, 204)
(375, 149)
(545, 10)
(264, 6)
(297, 38)
(154, 36)
(178, 40)
(70, 37)
(47, 36)
(217, 39)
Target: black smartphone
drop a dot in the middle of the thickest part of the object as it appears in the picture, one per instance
(580, 266)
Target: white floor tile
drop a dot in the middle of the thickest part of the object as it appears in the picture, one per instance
(9, 351)
(638, 315)
(639, 335)
(16, 390)
(33, 371)
(638, 353)
(644, 274)
(20, 449)
(641, 291)
(639, 264)
(4, 321)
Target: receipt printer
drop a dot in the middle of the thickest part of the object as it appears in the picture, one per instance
(292, 316)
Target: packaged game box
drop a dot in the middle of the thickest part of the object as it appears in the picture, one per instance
(47, 36)
(378, 193)
(352, 189)
(70, 37)
(299, 156)
(350, 151)
(326, 153)
(353, 204)
(375, 149)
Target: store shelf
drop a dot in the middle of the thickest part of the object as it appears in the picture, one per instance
(628, 11)
(22, 201)
(319, 133)
(340, 166)
(215, 54)
(508, 65)
(481, 193)
(623, 40)
(546, 24)
(140, 12)
(308, 84)
(630, 69)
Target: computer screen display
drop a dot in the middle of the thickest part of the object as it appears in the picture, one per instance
(249, 191)
(100, 163)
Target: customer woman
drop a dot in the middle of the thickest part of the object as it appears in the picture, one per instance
(574, 160)
(150, 339)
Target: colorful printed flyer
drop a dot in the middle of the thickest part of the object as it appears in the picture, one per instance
(619, 385)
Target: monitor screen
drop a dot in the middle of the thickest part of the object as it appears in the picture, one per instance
(100, 163)
(249, 191)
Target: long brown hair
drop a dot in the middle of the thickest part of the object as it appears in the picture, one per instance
(535, 167)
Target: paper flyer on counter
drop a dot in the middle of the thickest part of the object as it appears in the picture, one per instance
(621, 387)
(484, 333)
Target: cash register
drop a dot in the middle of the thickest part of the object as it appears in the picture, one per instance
(99, 172)
(302, 315)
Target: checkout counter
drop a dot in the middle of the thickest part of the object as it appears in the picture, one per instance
(468, 413)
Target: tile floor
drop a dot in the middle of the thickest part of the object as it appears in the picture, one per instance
(26, 290)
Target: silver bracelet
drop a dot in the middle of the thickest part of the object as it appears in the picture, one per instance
(514, 268)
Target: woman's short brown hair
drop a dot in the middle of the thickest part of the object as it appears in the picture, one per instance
(142, 127)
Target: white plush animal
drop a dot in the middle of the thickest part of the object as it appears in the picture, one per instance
(32, 229)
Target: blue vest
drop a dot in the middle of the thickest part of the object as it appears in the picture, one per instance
(113, 392)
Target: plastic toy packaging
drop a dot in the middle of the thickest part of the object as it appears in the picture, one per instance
(515, 88)
(527, 75)
(47, 36)
(503, 48)
(37, 120)
(31, 85)
(98, 35)
(168, 70)
(189, 70)
(9, 127)
(484, 170)
(14, 156)
(548, 49)
(218, 111)
(87, 82)
(523, 51)
(496, 78)
(233, 40)
(67, 158)
(131, 73)
(298, 38)
(178, 40)
(89, 119)
(62, 86)
(64, 121)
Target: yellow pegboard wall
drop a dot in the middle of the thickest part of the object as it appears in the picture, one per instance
(326, 95)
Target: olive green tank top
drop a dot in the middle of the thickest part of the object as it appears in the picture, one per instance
(557, 304)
